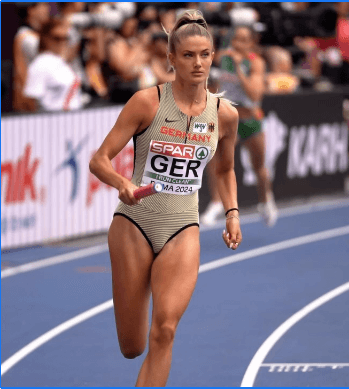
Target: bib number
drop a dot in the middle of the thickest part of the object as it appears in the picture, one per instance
(179, 167)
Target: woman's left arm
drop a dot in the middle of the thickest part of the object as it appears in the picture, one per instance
(226, 181)
(254, 84)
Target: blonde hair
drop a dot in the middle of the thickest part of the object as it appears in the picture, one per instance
(190, 23)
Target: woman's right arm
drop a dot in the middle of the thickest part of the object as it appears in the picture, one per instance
(135, 116)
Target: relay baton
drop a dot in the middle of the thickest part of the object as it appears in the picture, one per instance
(148, 190)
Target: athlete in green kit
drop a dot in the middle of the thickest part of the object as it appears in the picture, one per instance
(242, 77)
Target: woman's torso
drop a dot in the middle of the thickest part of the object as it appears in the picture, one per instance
(235, 91)
(175, 154)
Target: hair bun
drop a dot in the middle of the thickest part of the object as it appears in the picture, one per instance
(200, 21)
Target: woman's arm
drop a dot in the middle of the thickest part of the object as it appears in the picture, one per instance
(225, 173)
(254, 84)
(137, 114)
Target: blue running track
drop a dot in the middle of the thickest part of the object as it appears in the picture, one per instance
(251, 320)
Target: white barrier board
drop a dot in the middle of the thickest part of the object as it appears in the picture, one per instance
(47, 190)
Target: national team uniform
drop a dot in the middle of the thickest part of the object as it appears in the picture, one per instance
(235, 92)
(175, 154)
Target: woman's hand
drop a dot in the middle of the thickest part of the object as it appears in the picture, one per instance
(126, 193)
(232, 235)
(237, 56)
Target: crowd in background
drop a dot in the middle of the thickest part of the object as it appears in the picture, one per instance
(72, 55)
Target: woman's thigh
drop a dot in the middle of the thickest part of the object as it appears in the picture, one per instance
(131, 261)
(173, 277)
(256, 147)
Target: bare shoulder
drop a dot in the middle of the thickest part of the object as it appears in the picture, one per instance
(257, 62)
(144, 104)
(227, 114)
(146, 97)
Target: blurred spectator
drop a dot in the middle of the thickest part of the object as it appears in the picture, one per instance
(74, 44)
(117, 48)
(158, 70)
(327, 57)
(52, 84)
(167, 18)
(94, 54)
(25, 47)
(279, 78)
(343, 39)
(126, 54)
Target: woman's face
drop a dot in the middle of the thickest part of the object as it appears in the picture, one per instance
(129, 28)
(41, 12)
(192, 59)
(242, 40)
(57, 40)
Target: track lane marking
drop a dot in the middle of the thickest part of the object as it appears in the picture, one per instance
(47, 336)
(301, 367)
(62, 258)
(285, 244)
(247, 219)
(32, 346)
(257, 360)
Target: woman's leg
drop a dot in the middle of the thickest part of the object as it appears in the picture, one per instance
(256, 147)
(173, 278)
(267, 207)
(131, 261)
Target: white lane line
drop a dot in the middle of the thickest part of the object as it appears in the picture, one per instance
(29, 348)
(19, 355)
(54, 260)
(247, 219)
(301, 367)
(285, 212)
(328, 234)
(256, 362)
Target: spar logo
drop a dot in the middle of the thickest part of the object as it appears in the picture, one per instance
(173, 149)
(72, 163)
(18, 179)
(175, 163)
(201, 153)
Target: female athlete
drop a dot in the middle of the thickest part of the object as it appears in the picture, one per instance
(243, 77)
(154, 243)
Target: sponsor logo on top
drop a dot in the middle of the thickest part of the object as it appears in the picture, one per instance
(201, 128)
(201, 153)
(173, 149)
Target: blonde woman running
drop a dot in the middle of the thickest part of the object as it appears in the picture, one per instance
(154, 244)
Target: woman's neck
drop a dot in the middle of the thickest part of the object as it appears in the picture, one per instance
(189, 94)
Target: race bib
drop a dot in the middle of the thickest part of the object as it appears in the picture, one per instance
(177, 166)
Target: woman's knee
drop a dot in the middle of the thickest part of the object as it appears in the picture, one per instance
(131, 351)
(162, 333)
(262, 173)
